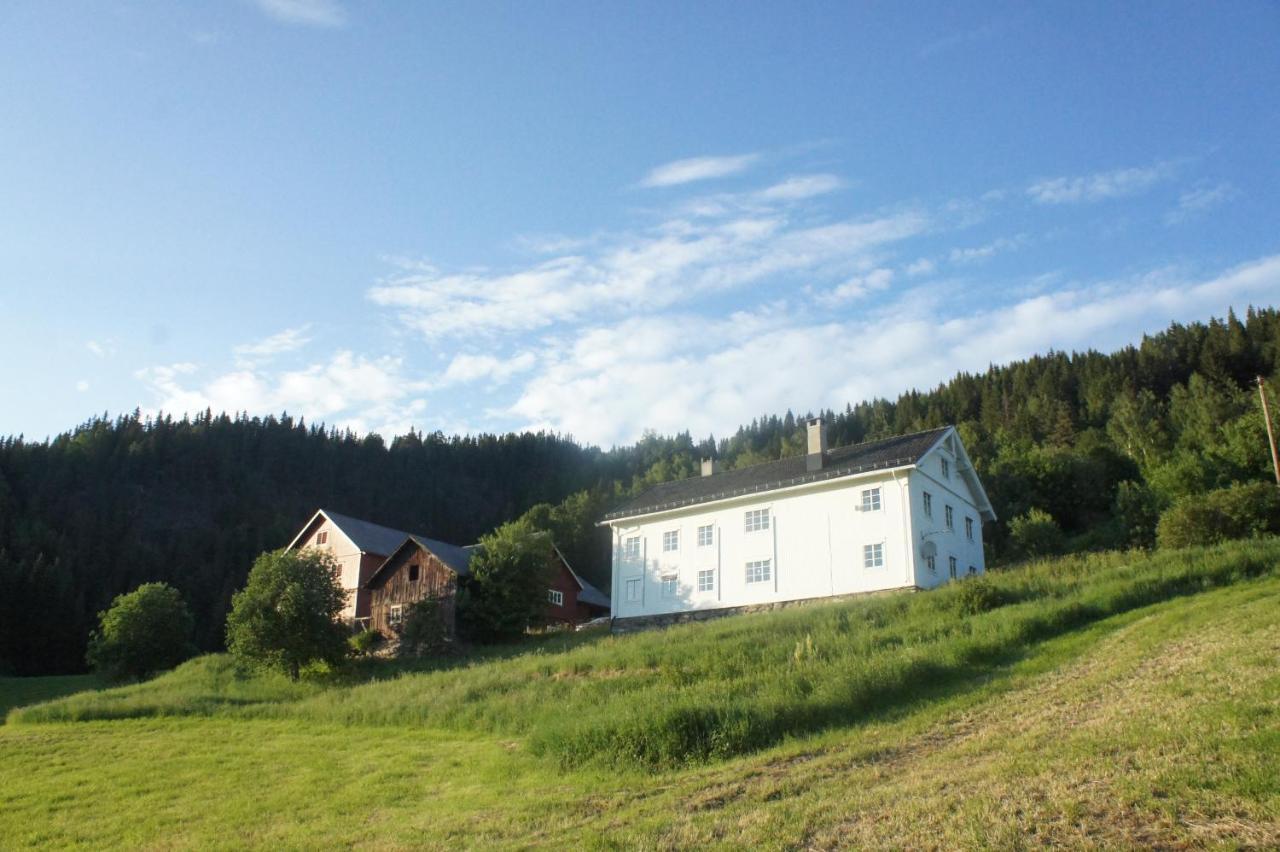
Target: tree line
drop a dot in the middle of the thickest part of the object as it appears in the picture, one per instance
(1099, 444)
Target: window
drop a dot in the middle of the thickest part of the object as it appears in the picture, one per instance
(873, 555)
(707, 580)
(670, 541)
(670, 585)
(760, 572)
(973, 569)
(396, 617)
(555, 597)
(951, 518)
(928, 505)
(953, 567)
(631, 548)
(706, 535)
(322, 537)
(946, 469)
(413, 573)
(757, 519)
(932, 562)
(968, 528)
(633, 589)
(871, 500)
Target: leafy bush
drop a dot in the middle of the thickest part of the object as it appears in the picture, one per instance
(1238, 511)
(507, 590)
(1137, 511)
(424, 630)
(143, 632)
(286, 616)
(977, 594)
(1035, 534)
(365, 642)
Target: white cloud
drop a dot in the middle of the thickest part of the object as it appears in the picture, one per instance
(464, 368)
(101, 349)
(1099, 186)
(801, 187)
(673, 372)
(857, 287)
(82, 385)
(697, 168)
(308, 13)
(922, 266)
(349, 390)
(1196, 202)
(289, 340)
(983, 252)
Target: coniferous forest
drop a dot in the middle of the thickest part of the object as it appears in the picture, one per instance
(1095, 445)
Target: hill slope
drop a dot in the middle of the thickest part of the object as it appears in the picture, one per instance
(1153, 725)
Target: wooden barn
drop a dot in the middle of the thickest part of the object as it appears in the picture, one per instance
(571, 599)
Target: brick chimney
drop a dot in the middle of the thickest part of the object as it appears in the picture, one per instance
(710, 466)
(817, 444)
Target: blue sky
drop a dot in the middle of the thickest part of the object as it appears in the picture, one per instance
(598, 218)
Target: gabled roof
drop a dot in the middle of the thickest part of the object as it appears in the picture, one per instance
(453, 557)
(587, 593)
(366, 536)
(901, 451)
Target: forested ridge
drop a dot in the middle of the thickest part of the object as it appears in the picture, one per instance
(1101, 442)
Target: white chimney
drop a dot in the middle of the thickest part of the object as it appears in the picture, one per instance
(817, 444)
(710, 466)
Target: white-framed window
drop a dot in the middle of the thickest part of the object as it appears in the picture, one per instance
(322, 537)
(946, 469)
(706, 535)
(555, 597)
(634, 588)
(760, 571)
(932, 562)
(873, 555)
(396, 616)
(951, 518)
(670, 585)
(670, 541)
(707, 580)
(928, 504)
(757, 519)
(968, 528)
(871, 500)
(952, 563)
(631, 548)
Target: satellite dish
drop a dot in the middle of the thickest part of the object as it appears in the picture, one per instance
(928, 549)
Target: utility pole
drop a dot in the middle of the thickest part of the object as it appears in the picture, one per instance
(1271, 438)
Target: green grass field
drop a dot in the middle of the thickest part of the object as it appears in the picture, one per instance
(1113, 700)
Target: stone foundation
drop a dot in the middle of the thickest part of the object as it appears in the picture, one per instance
(654, 622)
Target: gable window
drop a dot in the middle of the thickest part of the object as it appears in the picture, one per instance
(396, 617)
(555, 597)
(633, 590)
(631, 548)
(707, 580)
(952, 562)
(670, 586)
(670, 541)
(951, 518)
(932, 562)
(413, 573)
(873, 555)
(706, 535)
(322, 537)
(871, 500)
(946, 469)
(928, 504)
(968, 528)
(757, 519)
(760, 572)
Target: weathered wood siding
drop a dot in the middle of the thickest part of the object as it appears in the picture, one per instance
(435, 580)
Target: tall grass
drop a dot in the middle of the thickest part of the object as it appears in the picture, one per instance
(707, 691)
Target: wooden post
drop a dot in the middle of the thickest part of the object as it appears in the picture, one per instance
(1271, 438)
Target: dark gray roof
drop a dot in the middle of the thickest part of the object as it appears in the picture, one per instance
(455, 558)
(589, 593)
(368, 537)
(841, 461)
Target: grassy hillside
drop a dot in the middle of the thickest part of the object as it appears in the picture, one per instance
(1124, 699)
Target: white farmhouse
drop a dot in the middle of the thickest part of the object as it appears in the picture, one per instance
(899, 513)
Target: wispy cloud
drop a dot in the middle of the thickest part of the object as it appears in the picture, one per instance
(1099, 186)
(983, 252)
(922, 266)
(698, 168)
(101, 348)
(467, 368)
(857, 287)
(801, 187)
(289, 340)
(1196, 202)
(307, 13)
(959, 38)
